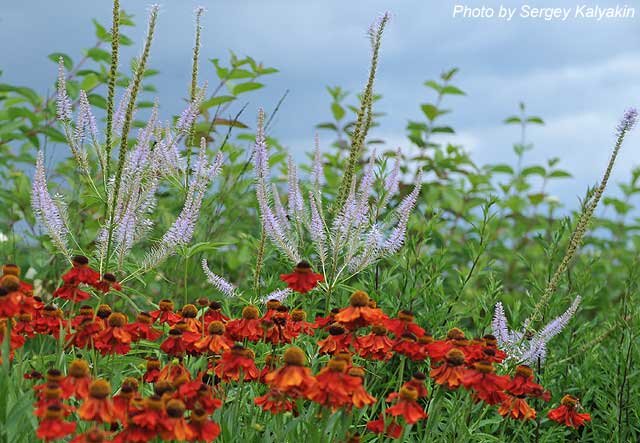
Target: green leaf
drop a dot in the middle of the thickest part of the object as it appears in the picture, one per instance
(337, 111)
(215, 101)
(502, 168)
(246, 87)
(89, 82)
(452, 90)
(101, 33)
(559, 173)
(433, 85)
(99, 55)
(97, 101)
(53, 134)
(228, 122)
(66, 60)
(512, 120)
(535, 120)
(534, 170)
(430, 111)
(537, 198)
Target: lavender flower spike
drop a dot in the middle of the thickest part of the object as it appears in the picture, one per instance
(49, 213)
(218, 282)
(629, 120)
(63, 103)
(278, 294)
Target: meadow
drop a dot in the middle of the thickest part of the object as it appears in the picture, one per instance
(181, 278)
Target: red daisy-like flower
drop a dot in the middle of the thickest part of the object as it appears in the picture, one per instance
(516, 407)
(298, 324)
(393, 429)
(522, 384)
(165, 313)
(294, 378)
(107, 283)
(215, 342)
(567, 413)
(81, 272)
(451, 372)
(214, 313)
(248, 327)
(202, 428)
(407, 406)
(376, 345)
(403, 323)
(142, 328)
(71, 291)
(334, 387)
(236, 363)
(153, 370)
(275, 402)
(302, 279)
(79, 379)
(359, 313)
(487, 386)
(98, 406)
(408, 346)
(115, 338)
(338, 341)
(53, 427)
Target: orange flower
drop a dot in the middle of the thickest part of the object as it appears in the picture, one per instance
(359, 313)
(437, 350)
(178, 427)
(275, 402)
(567, 413)
(337, 341)
(298, 324)
(408, 346)
(407, 406)
(153, 370)
(79, 379)
(488, 386)
(174, 345)
(516, 407)
(107, 283)
(165, 313)
(202, 428)
(376, 345)
(334, 387)
(248, 327)
(142, 329)
(189, 316)
(403, 323)
(293, 379)
(98, 406)
(393, 429)
(522, 384)
(236, 363)
(216, 342)
(302, 279)
(214, 313)
(360, 397)
(53, 427)
(450, 373)
(81, 272)
(115, 339)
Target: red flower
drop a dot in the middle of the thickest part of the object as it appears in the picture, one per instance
(153, 370)
(236, 363)
(437, 350)
(488, 386)
(404, 323)
(302, 279)
(78, 380)
(98, 406)
(275, 402)
(174, 345)
(215, 342)
(334, 387)
(214, 313)
(178, 428)
(107, 283)
(516, 407)
(189, 315)
(298, 324)
(81, 272)
(407, 406)
(451, 372)
(566, 413)
(149, 421)
(174, 371)
(409, 347)
(337, 341)
(393, 429)
(165, 314)
(294, 378)
(122, 401)
(141, 329)
(359, 313)
(94, 435)
(9, 306)
(376, 345)
(360, 397)
(48, 322)
(522, 384)
(53, 427)
(70, 291)
(115, 339)
(248, 327)
(202, 428)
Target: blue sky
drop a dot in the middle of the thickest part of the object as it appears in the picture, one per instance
(578, 75)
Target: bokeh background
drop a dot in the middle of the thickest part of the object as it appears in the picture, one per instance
(578, 75)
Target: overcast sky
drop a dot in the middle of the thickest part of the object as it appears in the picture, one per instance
(579, 75)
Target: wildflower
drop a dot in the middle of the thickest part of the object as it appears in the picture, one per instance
(248, 327)
(107, 283)
(359, 396)
(407, 406)
(488, 386)
(202, 428)
(359, 313)
(215, 342)
(299, 324)
(294, 378)
(115, 338)
(334, 387)
(98, 406)
(567, 413)
(218, 282)
(189, 316)
(71, 291)
(337, 341)
(451, 372)
(8, 304)
(376, 345)
(49, 322)
(402, 324)
(236, 363)
(173, 371)
(152, 419)
(522, 384)
(79, 379)
(516, 407)
(93, 435)
(408, 346)
(53, 427)
(392, 429)
(455, 339)
(178, 427)
(416, 382)
(174, 345)
(164, 313)
(214, 313)
(302, 279)
(81, 272)
(153, 370)
(142, 328)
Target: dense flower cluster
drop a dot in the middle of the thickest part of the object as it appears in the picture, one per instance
(172, 402)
